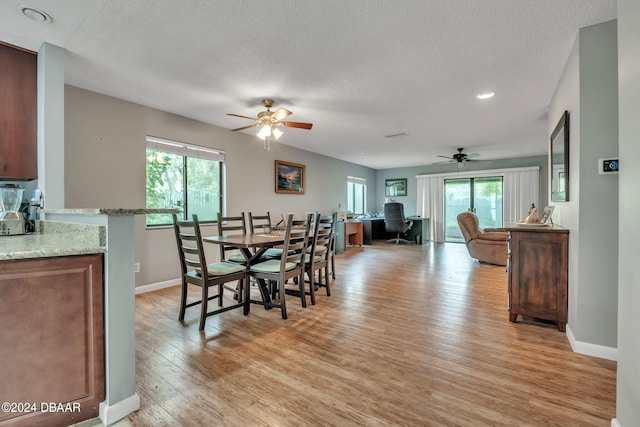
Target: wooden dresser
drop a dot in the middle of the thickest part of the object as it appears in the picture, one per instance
(538, 273)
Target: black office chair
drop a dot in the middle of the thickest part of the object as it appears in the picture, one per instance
(395, 222)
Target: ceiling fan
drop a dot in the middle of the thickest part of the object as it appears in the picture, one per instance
(459, 158)
(269, 121)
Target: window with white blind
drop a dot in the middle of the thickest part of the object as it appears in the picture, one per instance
(183, 176)
(356, 195)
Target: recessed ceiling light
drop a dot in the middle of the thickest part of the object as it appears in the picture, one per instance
(35, 14)
(485, 95)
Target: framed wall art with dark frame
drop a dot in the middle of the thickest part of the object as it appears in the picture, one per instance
(395, 187)
(290, 177)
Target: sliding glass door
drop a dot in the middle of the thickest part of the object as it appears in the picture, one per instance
(480, 195)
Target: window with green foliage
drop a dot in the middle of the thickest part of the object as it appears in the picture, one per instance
(356, 195)
(183, 176)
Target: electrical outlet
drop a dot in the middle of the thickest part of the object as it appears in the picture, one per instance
(136, 267)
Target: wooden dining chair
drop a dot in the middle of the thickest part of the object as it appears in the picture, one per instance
(321, 248)
(231, 225)
(259, 223)
(262, 224)
(277, 272)
(332, 249)
(196, 271)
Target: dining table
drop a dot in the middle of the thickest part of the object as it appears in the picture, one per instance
(252, 247)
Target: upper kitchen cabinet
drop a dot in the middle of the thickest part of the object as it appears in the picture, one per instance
(18, 114)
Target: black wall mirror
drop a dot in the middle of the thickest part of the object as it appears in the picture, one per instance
(559, 152)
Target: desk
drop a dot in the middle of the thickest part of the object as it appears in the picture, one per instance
(374, 229)
(350, 232)
(419, 231)
(353, 232)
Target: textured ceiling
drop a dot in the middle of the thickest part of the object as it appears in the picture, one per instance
(358, 70)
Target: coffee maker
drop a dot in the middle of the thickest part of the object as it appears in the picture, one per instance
(11, 219)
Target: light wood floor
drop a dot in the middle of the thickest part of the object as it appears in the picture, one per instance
(411, 336)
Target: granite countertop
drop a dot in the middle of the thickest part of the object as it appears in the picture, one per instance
(53, 239)
(62, 238)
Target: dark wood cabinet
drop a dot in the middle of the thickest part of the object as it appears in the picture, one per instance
(51, 340)
(18, 114)
(538, 273)
(373, 229)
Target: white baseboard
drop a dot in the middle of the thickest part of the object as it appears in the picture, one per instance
(595, 350)
(112, 413)
(155, 286)
(615, 423)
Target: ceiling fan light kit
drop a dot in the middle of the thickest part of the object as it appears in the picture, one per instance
(485, 95)
(269, 121)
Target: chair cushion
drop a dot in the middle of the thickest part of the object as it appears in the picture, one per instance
(319, 248)
(237, 258)
(272, 253)
(316, 258)
(223, 268)
(271, 266)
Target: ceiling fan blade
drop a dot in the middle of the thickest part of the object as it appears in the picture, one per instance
(246, 127)
(298, 125)
(445, 157)
(440, 163)
(280, 114)
(242, 117)
(472, 155)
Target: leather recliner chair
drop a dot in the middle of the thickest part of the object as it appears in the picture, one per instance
(486, 245)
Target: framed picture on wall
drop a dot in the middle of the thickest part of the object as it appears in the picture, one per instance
(395, 187)
(289, 177)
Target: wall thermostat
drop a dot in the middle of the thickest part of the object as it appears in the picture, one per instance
(608, 166)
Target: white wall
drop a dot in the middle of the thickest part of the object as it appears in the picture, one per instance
(628, 390)
(588, 90)
(50, 126)
(105, 153)
(598, 274)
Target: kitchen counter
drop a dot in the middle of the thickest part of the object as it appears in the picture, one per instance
(54, 239)
(109, 232)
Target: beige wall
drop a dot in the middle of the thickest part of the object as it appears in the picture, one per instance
(105, 167)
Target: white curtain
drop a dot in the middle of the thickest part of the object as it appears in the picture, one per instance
(431, 204)
(520, 188)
